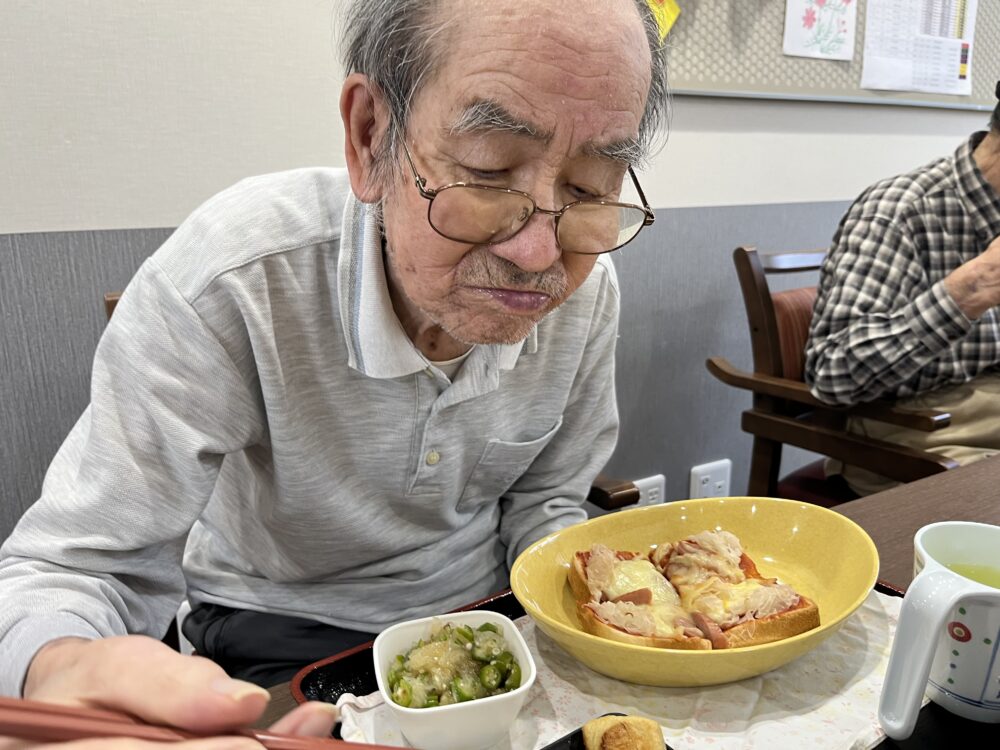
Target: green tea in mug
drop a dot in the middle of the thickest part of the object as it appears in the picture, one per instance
(985, 574)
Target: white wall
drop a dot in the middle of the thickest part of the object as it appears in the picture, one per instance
(751, 151)
(121, 114)
(117, 114)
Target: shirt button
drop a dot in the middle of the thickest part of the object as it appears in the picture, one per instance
(432, 458)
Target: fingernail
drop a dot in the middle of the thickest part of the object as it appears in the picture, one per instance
(238, 689)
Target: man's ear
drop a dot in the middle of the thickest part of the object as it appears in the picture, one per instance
(366, 122)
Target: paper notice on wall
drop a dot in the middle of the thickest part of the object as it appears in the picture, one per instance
(919, 45)
(820, 28)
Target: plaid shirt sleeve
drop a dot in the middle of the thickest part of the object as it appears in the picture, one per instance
(879, 320)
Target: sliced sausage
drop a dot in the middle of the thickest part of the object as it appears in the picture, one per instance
(711, 630)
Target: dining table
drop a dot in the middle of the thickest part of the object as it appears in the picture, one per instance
(891, 518)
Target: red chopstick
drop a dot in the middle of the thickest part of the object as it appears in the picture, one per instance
(48, 722)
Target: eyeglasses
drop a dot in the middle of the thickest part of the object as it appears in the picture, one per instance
(484, 215)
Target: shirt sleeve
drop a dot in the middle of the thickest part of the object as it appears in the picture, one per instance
(99, 553)
(878, 319)
(550, 495)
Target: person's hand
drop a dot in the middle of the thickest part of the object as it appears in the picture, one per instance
(975, 285)
(147, 679)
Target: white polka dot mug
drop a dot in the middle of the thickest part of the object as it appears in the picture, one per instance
(949, 629)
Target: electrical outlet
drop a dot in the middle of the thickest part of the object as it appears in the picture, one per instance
(711, 479)
(651, 489)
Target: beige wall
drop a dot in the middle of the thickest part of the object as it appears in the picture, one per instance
(126, 114)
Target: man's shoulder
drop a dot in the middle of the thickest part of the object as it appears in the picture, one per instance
(600, 288)
(594, 303)
(907, 193)
(256, 218)
(604, 274)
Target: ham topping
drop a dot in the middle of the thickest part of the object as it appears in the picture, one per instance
(710, 630)
(639, 596)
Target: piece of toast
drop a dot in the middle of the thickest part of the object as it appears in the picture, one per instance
(622, 733)
(592, 624)
(800, 617)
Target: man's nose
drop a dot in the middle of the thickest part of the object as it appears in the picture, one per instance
(532, 249)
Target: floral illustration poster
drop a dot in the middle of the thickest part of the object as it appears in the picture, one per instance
(820, 28)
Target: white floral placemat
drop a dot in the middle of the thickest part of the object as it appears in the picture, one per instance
(825, 700)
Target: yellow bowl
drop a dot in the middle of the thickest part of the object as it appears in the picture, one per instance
(820, 553)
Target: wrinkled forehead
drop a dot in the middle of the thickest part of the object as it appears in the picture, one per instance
(553, 65)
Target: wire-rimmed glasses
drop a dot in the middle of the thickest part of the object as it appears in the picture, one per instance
(486, 215)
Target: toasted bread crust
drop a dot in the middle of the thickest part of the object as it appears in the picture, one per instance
(595, 626)
(577, 577)
(798, 619)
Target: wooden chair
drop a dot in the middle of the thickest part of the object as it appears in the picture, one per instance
(784, 412)
(606, 492)
(110, 302)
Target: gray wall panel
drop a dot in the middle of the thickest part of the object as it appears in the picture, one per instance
(681, 304)
(51, 316)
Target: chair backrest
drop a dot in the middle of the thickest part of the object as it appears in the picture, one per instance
(110, 302)
(779, 321)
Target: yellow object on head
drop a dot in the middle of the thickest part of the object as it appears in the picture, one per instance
(666, 12)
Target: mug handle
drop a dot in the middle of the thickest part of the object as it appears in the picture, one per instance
(927, 605)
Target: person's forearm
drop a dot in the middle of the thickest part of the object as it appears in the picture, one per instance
(975, 286)
(860, 357)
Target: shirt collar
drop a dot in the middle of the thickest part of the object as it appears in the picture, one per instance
(980, 198)
(377, 345)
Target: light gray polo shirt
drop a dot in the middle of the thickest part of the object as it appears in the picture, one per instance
(255, 398)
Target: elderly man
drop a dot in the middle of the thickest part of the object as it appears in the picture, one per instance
(907, 305)
(355, 395)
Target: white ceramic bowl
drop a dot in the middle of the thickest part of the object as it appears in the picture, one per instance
(473, 725)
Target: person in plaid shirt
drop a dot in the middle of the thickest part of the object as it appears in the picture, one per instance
(907, 306)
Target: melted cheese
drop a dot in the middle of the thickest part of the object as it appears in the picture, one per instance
(610, 578)
(704, 576)
(639, 573)
(705, 568)
(731, 603)
(710, 554)
(663, 620)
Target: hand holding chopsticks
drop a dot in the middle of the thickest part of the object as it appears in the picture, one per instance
(47, 722)
(136, 687)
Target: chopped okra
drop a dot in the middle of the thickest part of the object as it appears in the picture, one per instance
(455, 664)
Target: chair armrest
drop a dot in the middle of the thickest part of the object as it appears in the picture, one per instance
(889, 459)
(925, 420)
(609, 493)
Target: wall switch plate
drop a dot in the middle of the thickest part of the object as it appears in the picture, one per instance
(711, 479)
(651, 489)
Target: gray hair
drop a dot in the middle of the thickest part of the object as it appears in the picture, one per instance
(395, 44)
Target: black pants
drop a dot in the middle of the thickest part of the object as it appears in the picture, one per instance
(262, 648)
